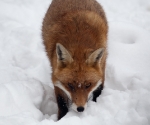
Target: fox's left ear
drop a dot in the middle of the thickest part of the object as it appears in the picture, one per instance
(95, 57)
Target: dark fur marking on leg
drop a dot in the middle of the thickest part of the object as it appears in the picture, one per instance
(62, 106)
(97, 92)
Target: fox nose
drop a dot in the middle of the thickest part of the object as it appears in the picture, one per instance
(80, 109)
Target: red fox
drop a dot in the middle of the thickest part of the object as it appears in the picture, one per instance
(75, 37)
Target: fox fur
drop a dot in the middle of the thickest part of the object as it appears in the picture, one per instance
(75, 39)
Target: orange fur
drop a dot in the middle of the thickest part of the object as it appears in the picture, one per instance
(81, 27)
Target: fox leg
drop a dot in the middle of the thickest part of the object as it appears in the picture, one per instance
(97, 92)
(62, 103)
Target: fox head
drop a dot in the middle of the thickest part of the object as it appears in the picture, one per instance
(78, 75)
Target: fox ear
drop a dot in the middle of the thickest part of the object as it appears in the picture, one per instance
(63, 56)
(95, 57)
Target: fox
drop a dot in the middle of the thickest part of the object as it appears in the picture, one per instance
(74, 34)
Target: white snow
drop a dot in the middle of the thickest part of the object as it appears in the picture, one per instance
(79, 85)
(26, 90)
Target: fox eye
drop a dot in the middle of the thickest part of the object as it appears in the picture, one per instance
(87, 85)
(71, 86)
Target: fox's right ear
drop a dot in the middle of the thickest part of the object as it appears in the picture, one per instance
(63, 56)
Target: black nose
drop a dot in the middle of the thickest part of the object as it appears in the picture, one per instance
(80, 109)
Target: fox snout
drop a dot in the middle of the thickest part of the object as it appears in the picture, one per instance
(79, 104)
(80, 109)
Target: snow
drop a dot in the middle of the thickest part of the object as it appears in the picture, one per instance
(26, 90)
(79, 85)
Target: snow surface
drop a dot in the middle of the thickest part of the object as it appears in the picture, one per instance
(26, 90)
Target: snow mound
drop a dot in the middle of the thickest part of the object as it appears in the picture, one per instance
(26, 91)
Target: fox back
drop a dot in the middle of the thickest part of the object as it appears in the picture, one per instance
(75, 35)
